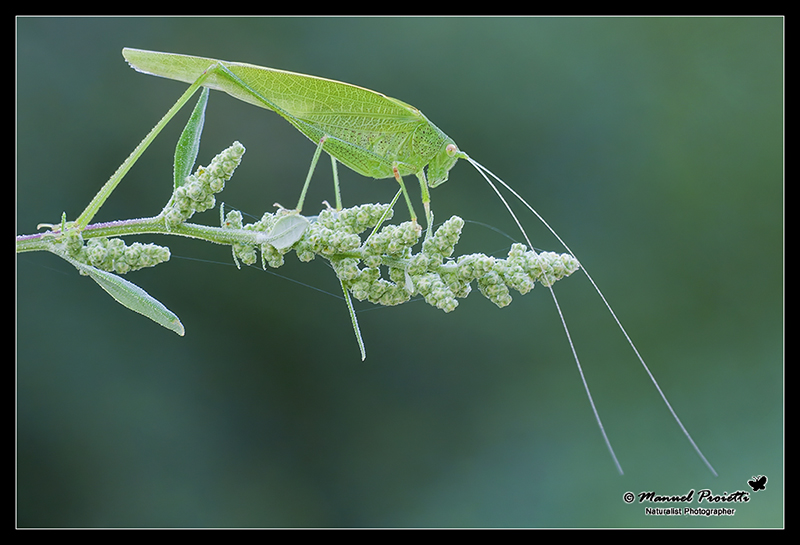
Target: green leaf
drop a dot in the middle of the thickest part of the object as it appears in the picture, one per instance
(133, 297)
(286, 231)
(189, 142)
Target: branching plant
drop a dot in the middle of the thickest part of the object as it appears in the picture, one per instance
(373, 259)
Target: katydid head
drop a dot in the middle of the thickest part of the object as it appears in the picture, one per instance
(442, 162)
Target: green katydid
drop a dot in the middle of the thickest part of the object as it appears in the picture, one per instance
(376, 136)
(369, 132)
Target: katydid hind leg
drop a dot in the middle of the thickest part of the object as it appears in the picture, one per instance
(488, 176)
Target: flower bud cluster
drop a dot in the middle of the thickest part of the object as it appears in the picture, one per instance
(521, 270)
(241, 252)
(247, 252)
(432, 273)
(196, 194)
(329, 234)
(367, 284)
(392, 240)
(336, 232)
(442, 282)
(357, 219)
(113, 255)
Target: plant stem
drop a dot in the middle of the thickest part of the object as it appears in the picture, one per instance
(217, 235)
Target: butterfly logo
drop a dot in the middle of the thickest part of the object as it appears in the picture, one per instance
(758, 483)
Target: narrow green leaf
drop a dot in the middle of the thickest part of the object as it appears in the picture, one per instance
(189, 142)
(133, 297)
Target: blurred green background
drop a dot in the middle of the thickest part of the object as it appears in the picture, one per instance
(654, 146)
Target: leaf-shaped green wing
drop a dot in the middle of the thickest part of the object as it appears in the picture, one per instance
(367, 130)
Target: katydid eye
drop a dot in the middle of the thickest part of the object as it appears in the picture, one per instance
(451, 149)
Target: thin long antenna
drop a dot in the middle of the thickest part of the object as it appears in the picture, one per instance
(480, 169)
(484, 171)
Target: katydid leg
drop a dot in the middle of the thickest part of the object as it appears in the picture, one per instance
(405, 192)
(314, 160)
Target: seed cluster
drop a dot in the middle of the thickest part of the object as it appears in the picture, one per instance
(384, 270)
(196, 194)
(113, 255)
